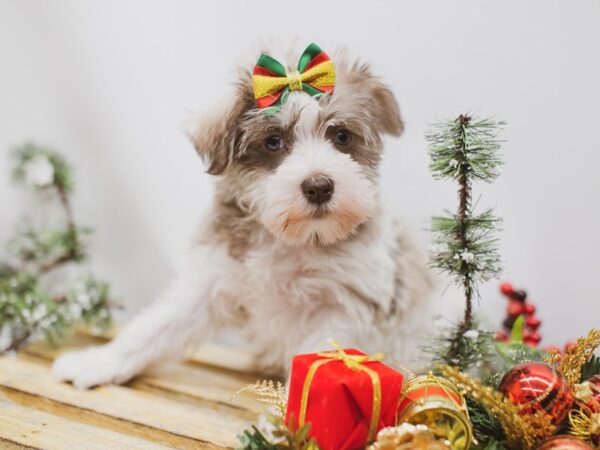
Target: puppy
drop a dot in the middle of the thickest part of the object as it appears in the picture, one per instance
(297, 247)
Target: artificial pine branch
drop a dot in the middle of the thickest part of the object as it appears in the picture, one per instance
(27, 309)
(465, 150)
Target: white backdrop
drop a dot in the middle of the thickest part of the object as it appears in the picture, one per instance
(110, 83)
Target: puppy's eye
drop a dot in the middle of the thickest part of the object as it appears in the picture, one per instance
(343, 137)
(274, 143)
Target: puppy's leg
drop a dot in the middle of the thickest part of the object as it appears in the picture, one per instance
(183, 313)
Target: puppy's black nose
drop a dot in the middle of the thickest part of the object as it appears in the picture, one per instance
(318, 189)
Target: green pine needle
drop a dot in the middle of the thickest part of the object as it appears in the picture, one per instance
(287, 437)
(253, 439)
(476, 347)
(590, 368)
(469, 146)
(486, 427)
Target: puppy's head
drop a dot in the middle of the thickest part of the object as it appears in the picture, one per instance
(307, 169)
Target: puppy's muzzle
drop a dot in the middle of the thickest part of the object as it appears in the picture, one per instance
(318, 189)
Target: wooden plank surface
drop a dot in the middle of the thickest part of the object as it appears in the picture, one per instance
(182, 405)
(196, 378)
(29, 428)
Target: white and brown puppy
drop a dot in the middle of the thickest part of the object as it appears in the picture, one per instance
(296, 248)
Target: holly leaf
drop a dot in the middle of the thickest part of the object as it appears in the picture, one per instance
(516, 334)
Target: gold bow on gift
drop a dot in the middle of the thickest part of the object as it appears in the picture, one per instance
(352, 362)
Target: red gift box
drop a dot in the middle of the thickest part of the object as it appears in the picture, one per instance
(345, 395)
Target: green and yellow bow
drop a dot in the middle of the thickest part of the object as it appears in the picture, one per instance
(315, 75)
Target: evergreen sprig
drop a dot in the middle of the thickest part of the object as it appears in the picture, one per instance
(487, 428)
(254, 439)
(284, 437)
(464, 246)
(41, 168)
(29, 308)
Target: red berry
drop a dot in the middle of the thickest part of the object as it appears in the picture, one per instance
(529, 309)
(515, 308)
(520, 295)
(552, 349)
(501, 336)
(569, 346)
(533, 323)
(506, 289)
(532, 338)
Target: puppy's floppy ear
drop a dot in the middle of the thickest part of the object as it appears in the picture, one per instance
(215, 135)
(389, 111)
(356, 81)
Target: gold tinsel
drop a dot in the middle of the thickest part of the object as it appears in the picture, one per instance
(408, 437)
(569, 364)
(522, 431)
(268, 391)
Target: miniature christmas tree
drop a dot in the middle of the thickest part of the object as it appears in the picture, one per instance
(465, 150)
(30, 307)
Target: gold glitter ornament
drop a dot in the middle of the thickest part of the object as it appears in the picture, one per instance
(408, 437)
(437, 403)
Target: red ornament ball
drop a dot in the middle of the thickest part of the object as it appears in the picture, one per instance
(537, 386)
(564, 442)
(506, 289)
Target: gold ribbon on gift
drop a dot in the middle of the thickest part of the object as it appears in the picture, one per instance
(352, 362)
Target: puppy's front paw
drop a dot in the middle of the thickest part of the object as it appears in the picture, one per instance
(93, 366)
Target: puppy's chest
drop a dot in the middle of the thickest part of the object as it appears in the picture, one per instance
(276, 277)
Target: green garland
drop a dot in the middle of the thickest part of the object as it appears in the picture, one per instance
(30, 307)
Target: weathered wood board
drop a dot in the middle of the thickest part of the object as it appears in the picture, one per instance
(189, 405)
